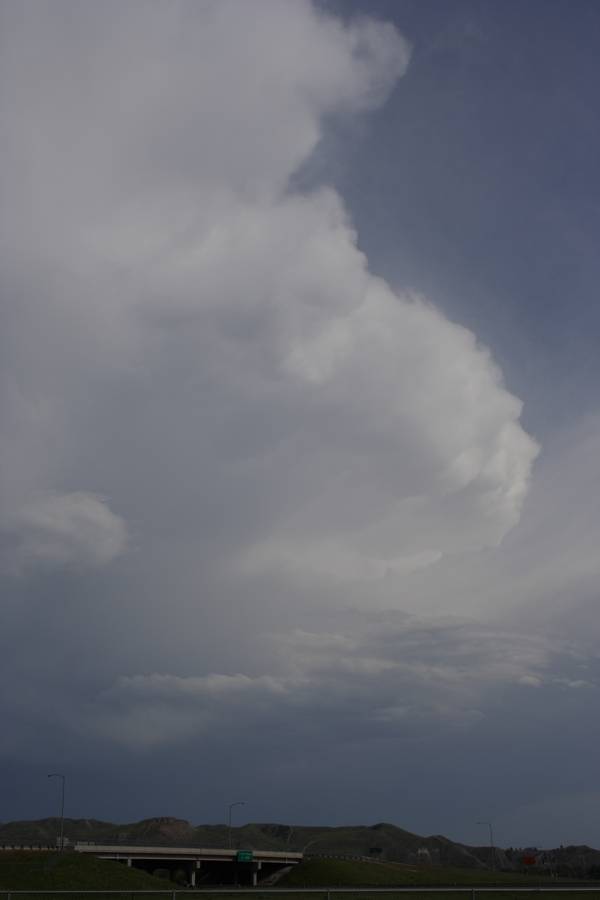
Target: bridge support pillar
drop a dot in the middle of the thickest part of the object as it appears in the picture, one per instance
(129, 862)
(256, 867)
(195, 866)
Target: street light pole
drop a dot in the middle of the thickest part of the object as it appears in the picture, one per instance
(229, 808)
(61, 843)
(492, 850)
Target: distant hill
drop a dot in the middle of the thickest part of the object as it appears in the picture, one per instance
(380, 842)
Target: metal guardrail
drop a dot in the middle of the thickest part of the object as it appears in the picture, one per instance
(325, 892)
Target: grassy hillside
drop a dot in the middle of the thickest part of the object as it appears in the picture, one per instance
(355, 873)
(21, 871)
(382, 842)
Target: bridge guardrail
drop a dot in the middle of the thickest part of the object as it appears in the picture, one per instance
(325, 892)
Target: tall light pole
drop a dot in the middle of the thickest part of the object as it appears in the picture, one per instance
(62, 809)
(229, 808)
(492, 850)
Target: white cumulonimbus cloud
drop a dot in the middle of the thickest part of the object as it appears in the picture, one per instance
(168, 226)
(192, 336)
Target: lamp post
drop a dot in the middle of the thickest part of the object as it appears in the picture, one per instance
(492, 850)
(61, 842)
(229, 808)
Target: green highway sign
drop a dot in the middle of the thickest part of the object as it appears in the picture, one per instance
(245, 856)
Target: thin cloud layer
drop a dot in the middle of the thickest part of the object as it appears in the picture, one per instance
(396, 677)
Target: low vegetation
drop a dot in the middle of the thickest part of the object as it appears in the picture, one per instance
(51, 871)
(22, 870)
(356, 873)
(330, 874)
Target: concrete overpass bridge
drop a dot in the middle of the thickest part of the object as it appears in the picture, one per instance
(200, 865)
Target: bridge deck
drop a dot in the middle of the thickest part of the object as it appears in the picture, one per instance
(124, 851)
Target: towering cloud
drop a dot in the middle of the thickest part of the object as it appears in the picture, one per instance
(152, 241)
(203, 380)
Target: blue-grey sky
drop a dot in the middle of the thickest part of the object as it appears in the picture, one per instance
(488, 148)
(298, 412)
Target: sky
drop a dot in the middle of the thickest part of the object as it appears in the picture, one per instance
(299, 422)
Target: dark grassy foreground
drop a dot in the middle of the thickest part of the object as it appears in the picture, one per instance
(355, 873)
(339, 873)
(21, 870)
(47, 871)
